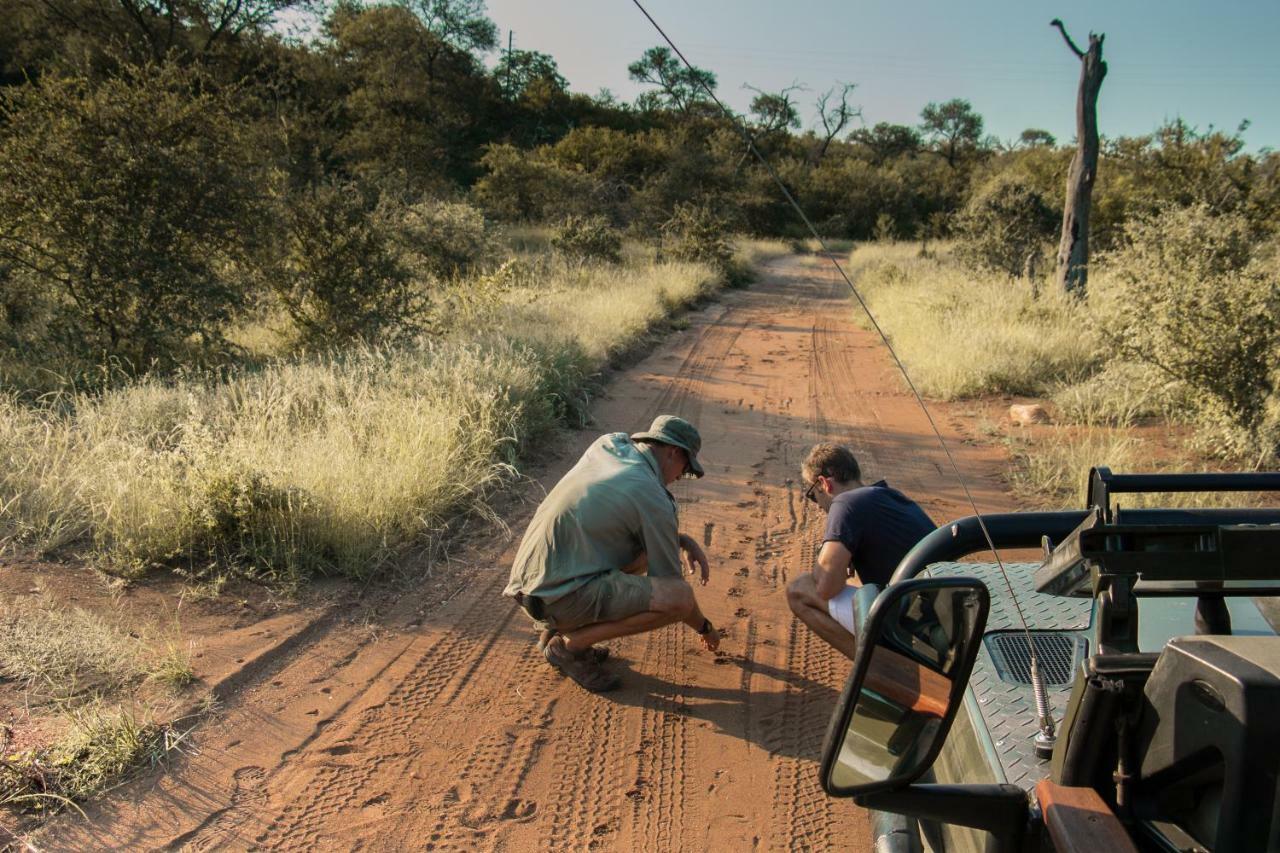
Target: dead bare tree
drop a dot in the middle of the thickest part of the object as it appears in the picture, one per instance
(1073, 249)
(834, 117)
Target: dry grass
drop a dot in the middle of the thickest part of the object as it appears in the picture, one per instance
(63, 652)
(67, 651)
(963, 334)
(1053, 472)
(331, 464)
(89, 688)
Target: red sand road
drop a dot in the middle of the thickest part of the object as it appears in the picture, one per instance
(429, 721)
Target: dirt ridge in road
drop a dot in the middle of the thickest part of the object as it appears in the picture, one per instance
(433, 723)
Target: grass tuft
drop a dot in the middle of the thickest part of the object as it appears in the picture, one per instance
(67, 652)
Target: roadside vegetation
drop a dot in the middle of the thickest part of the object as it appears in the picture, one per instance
(93, 694)
(1169, 364)
(333, 462)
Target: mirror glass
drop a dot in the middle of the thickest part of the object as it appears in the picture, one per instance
(912, 659)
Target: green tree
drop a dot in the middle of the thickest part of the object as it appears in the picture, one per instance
(953, 127)
(413, 106)
(129, 205)
(457, 24)
(1006, 226)
(57, 33)
(1034, 137)
(342, 277)
(521, 186)
(887, 141)
(679, 87)
(519, 71)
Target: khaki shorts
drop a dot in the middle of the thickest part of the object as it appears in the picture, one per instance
(606, 597)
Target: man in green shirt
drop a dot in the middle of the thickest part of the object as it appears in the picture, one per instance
(602, 556)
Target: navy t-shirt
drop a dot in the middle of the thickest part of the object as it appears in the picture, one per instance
(878, 525)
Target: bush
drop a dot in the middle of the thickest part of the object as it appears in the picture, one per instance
(520, 186)
(126, 204)
(1186, 296)
(695, 233)
(588, 238)
(442, 239)
(343, 278)
(1005, 227)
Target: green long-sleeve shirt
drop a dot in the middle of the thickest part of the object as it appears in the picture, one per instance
(609, 508)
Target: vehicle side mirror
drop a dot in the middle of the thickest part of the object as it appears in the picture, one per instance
(909, 675)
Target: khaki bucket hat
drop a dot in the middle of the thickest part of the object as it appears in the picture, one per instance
(670, 429)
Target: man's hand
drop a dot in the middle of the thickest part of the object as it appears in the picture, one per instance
(693, 554)
(711, 639)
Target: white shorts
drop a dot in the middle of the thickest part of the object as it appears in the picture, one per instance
(841, 607)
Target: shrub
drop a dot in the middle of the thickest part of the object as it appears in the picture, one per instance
(520, 186)
(126, 206)
(695, 233)
(588, 238)
(1005, 227)
(343, 278)
(1185, 296)
(442, 239)
(885, 230)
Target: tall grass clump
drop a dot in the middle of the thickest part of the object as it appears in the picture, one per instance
(964, 333)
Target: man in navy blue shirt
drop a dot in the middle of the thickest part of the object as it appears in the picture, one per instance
(869, 530)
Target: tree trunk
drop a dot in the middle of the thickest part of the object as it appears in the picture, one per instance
(1073, 249)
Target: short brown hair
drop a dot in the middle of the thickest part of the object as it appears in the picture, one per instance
(831, 460)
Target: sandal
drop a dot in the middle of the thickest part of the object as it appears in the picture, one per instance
(587, 673)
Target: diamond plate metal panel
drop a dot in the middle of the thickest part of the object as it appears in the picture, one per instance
(1043, 612)
(1009, 710)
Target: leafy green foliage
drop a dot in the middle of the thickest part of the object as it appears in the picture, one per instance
(1005, 227)
(679, 87)
(522, 186)
(696, 233)
(1186, 296)
(128, 205)
(522, 73)
(590, 238)
(953, 127)
(342, 277)
(442, 239)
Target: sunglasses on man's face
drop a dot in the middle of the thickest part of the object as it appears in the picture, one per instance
(809, 492)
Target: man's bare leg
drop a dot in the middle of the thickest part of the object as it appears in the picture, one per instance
(638, 566)
(672, 601)
(802, 597)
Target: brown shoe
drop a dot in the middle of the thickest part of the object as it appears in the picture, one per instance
(586, 672)
(599, 654)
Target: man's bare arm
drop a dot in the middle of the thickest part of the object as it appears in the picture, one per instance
(694, 555)
(831, 571)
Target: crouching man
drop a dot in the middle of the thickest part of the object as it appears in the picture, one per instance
(602, 556)
(869, 530)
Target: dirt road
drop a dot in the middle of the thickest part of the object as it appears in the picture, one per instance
(429, 721)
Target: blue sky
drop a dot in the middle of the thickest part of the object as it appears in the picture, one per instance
(1210, 63)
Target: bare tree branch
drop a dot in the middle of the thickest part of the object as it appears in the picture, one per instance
(836, 119)
(1056, 22)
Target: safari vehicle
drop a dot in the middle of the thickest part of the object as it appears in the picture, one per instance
(1157, 726)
